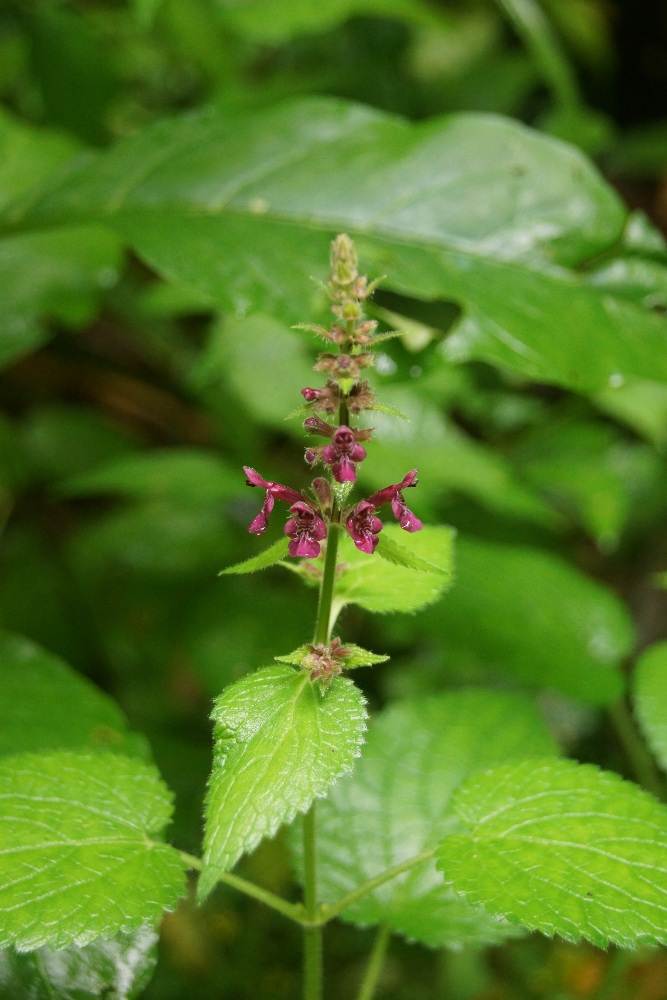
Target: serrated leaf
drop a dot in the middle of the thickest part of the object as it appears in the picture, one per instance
(358, 657)
(120, 968)
(378, 586)
(525, 613)
(80, 853)
(471, 208)
(400, 555)
(269, 557)
(396, 804)
(562, 848)
(650, 694)
(34, 681)
(279, 744)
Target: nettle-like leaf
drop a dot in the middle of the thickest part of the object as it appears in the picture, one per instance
(650, 694)
(471, 208)
(562, 848)
(280, 743)
(380, 585)
(358, 657)
(397, 804)
(525, 613)
(45, 705)
(80, 849)
(120, 968)
(269, 557)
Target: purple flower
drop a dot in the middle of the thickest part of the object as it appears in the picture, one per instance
(364, 527)
(403, 515)
(342, 454)
(274, 491)
(306, 529)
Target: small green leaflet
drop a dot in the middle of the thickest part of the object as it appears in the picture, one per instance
(119, 968)
(393, 552)
(397, 804)
(562, 848)
(650, 693)
(269, 557)
(359, 657)
(280, 743)
(32, 682)
(381, 585)
(80, 854)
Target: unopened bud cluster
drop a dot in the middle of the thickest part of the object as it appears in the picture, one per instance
(331, 408)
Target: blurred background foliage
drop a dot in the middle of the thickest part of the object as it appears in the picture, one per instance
(129, 406)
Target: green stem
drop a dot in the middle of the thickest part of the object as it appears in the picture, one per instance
(536, 33)
(293, 911)
(638, 755)
(375, 963)
(327, 912)
(313, 933)
(324, 623)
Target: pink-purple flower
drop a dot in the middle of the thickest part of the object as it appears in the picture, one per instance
(342, 455)
(364, 527)
(306, 529)
(403, 515)
(363, 524)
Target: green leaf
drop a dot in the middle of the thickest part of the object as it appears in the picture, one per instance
(358, 657)
(524, 613)
(505, 225)
(374, 584)
(33, 682)
(120, 968)
(399, 555)
(56, 275)
(269, 557)
(562, 848)
(650, 695)
(397, 804)
(80, 853)
(279, 744)
(185, 474)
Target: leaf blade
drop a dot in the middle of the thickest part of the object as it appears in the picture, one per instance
(78, 858)
(279, 745)
(562, 848)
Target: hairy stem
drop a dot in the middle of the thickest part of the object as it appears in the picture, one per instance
(324, 623)
(327, 912)
(313, 933)
(375, 963)
(293, 911)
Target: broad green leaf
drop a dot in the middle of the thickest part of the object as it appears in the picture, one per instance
(650, 695)
(358, 657)
(523, 612)
(374, 584)
(397, 804)
(593, 474)
(562, 848)
(53, 275)
(185, 474)
(80, 849)
(280, 743)
(642, 405)
(473, 209)
(120, 968)
(269, 557)
(29, 155)
(33, 684)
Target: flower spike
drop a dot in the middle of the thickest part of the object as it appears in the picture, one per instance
(394, 494)
(364, 527)
(305, 529)
(274, 491)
